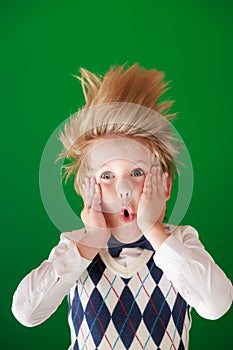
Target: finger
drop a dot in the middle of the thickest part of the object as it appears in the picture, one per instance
(161, 180)
(154, 178)
(96, 203)
(159, 173)
(83, 191)
(165, 178)
(163, 185)
(92, 188)
(147, 185)
(87, 183)
(86, 192)
(144, 193)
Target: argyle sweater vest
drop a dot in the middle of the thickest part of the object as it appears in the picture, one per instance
(138, 308)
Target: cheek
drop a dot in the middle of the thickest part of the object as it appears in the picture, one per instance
(108, 193)
(137, 189)
(109, 200)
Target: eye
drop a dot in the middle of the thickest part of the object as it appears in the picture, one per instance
(107, 175)
(137, 172)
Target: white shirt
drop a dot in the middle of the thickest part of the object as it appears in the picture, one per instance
(182, 258)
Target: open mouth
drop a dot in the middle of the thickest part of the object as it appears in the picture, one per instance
(127, 214)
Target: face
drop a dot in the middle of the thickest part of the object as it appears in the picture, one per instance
(120, 166)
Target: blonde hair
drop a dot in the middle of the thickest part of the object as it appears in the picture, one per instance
(124, 102)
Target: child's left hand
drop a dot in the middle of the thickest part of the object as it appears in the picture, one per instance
(152, 200)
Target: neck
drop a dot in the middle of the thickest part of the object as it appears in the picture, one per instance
(128, 233)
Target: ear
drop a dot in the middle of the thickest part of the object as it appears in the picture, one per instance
(169, 187)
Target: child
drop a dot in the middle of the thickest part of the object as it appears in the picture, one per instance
(131, 280)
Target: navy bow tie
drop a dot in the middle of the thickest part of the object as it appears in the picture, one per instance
(115, 246)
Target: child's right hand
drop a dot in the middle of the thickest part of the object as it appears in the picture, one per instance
(97, 232)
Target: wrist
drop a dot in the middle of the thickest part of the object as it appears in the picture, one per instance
(92, 243)
(156, 235)
(86, 251)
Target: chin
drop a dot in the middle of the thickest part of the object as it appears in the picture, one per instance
(125, 232)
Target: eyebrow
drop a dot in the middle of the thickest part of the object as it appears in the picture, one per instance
(141, 163)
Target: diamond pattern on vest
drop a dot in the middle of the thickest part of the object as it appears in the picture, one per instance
(141, 312)
(126, 317)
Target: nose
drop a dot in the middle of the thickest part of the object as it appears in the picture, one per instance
(124, 189)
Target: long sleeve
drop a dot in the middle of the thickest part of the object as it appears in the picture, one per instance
(196, 276)
(41, 292)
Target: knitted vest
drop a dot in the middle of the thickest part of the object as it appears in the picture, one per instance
(133, 307)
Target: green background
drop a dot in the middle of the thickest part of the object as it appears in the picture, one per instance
(42, 44)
